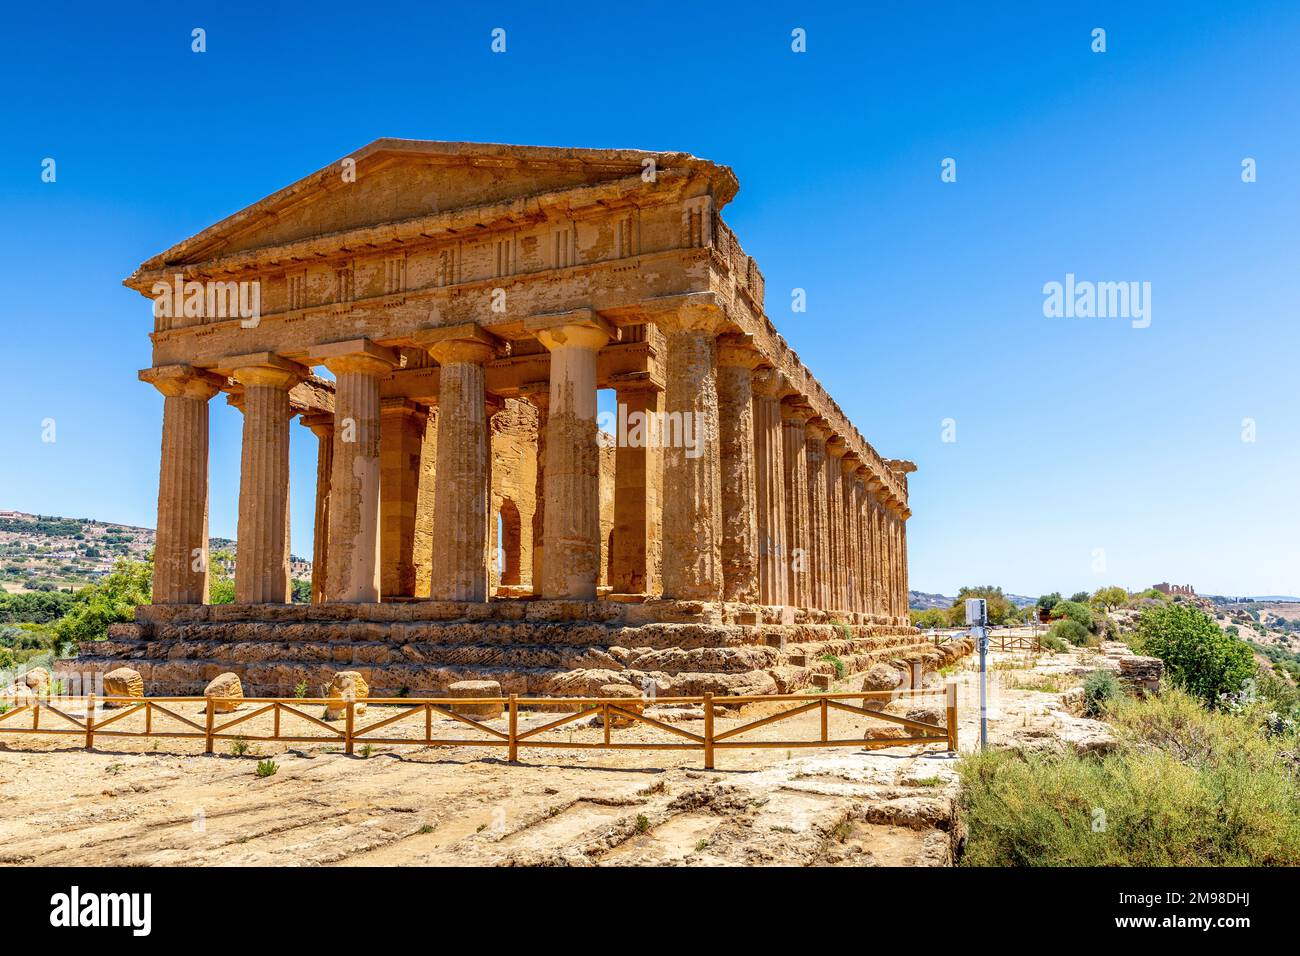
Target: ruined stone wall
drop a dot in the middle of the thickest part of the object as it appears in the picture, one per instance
(514, 489)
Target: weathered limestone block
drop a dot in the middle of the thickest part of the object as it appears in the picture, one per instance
(123, 682)
(345, 686)
(38, 679)
(476, 688)
(635, 703)
(882, 677)
(228, 691)
(1143, 674)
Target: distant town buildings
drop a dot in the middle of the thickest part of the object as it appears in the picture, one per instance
(1164, 587)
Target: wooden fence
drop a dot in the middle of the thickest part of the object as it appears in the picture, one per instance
(998, 641)
(162, 720)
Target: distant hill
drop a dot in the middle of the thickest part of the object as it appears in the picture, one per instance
(923, 601)
(43, 552)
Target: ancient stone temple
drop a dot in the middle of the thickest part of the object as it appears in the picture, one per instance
(731, 530)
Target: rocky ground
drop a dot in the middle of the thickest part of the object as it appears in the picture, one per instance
(128, 803)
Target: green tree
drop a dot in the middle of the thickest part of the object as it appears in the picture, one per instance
(221, 577)
(112, 600)
(1049, 601)
(930, 617)
(1197, 655)
(301, 591)
(1110, 598)
(998, 605)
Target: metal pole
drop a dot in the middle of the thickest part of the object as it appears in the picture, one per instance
(982, 636)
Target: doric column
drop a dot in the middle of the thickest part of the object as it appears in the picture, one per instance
(836, 449)
(322, 426)
(818, 528)
(770, 478)
(902, 564)
(877, 553)
(848, 466)
(740, 561)
(863, 519)
(692, 522)
(180, 573)
(401, 441)
(262, 558)
(571, 526)
(539, 394)
(460, 510)
(887, 558)
(638, 466)
(424, 503)
(798, 563)
(358, 366)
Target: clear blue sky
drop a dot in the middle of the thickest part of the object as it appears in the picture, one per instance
(924, 298)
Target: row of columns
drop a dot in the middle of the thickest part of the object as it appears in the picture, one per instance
(762, 502)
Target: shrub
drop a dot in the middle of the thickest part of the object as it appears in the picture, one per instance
(1184, 787)
(111, 601)
(1071, 631)
(1074, 611)
(1051, 641)
(931, 617)
(1100, 689)
(1197, 655)
(267, 768)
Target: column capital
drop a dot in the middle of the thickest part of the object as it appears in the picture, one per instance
(849, 463)
(402, 407)
(769, 383)
(797, 413)
(182, 380)
(634, 382)
(692, 312)
(737, 350)
(836, 446)
(578, 328)
(467, 342)
(356, 355)
(818, 430)
(265, 368)
(320, 423)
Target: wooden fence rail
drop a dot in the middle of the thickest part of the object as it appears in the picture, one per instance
(97, 718)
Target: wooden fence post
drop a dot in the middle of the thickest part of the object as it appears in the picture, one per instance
(90, 721)
(212, 713)
(952, 715)
(348, 731)
(514, 729)
(36, 714)
(825, 715)
(708, 731)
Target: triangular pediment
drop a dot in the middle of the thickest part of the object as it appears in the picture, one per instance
(393, 180)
